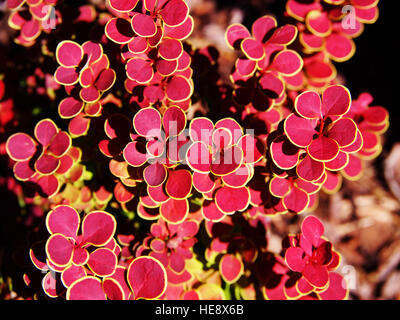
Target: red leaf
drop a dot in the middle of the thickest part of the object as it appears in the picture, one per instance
(300, 131)
(178, 89)
(49, 185)
(284, 154)
(71, 274)
(231, 268)
(180, 32)
(60, 144)
(174, 12)
(174, 211)
(287, 62)
(238, 178)
(147, 278)
(294, 258)
(46, 164)
(312, 229)
(59, 250)
(45, 131)
(279, 187)
(119, 30)
(174, 121)
(143, 25)
(308, 105)
(135, 154)
(170, 49)
(296, 200)
(179, 184)
(318, 23)
(147, 122)
(102, 262)
(229, 200)
(340, 47)
(155, 174)
(105, 80)
(337, 289)
(123, 5)
(201, 129)
(86, 288)
(309, 169)
(198, 157)
(227, 161)
(98, 227)
(343, 131)
(323, 149)
(336, 101)
(262, 26)
(316, 275)
(284, 35)
(211, 212)
(69, 53)
(235, 34)
(70, 107)
(252, 49)
(22, 170)
(63, 219)
(20, 146)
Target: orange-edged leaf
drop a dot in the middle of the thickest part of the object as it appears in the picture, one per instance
(86, 288)
(20, 146)
(296, 200)
(235, 34)
(174, 211)
(174, 12)
(71, 274)
(59, 249)
(231, 268)
(229, 200)
(147, 278)
(179, 184)
(98, 227)
(63, 219)
(310, 170)
(337, 289)
(102, 262)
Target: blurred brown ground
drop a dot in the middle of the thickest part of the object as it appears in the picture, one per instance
(363, 218)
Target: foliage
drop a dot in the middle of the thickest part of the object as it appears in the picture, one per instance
(143, 198)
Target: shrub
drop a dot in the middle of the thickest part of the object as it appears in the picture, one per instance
(143, 198)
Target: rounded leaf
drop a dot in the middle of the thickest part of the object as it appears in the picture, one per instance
(69, 53)
(174, 12)
(20, 147)
(102, 262)
(155, 174)
(336, 100)
(174, 211)
(179, 184)
(63, 219)
(86, 288)
(143, 25)
(229, 200)
(147, 278)
(231, 268)
(147, 122)
(98, 227)
(59, 250)
(178, 89)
